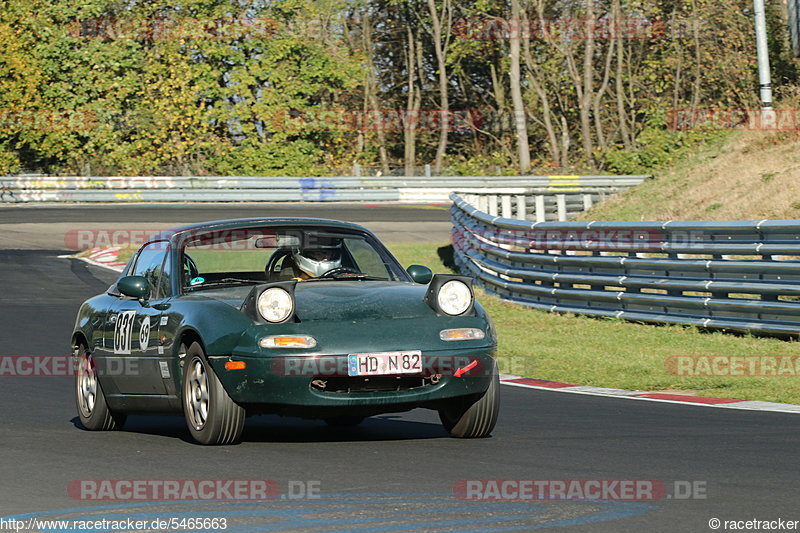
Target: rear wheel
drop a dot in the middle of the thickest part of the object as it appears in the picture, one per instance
(470, 418)
(93, 410)
(212, 416)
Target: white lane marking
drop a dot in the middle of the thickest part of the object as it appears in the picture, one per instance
(764, 406)
(115, 268)
(742, 405)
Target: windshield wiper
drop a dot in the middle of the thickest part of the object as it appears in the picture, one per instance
(239, 280)
(348, 276)
(223, 281)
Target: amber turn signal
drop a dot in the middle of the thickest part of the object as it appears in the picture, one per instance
(288, 341)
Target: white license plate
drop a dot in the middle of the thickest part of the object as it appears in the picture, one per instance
(383, 364)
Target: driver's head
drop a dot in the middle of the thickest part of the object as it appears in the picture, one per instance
(318, 260)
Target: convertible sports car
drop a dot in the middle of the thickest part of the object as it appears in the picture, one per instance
(300, 317)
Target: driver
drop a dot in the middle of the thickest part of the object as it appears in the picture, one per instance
(314, 262)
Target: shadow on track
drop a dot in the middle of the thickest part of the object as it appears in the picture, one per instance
(277, 429)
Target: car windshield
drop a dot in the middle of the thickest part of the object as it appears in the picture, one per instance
(217, 258)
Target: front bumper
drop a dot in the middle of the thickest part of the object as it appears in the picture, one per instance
(293, 384)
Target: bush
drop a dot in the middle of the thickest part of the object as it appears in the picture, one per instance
(659, 147)
(9, 162)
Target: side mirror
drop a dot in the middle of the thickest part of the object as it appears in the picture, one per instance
(134, 286)
(420, 274)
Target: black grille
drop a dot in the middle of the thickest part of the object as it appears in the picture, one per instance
(368, 384)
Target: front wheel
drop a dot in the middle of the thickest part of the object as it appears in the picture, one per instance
(212, 416)
(476, 419)
(93, 410)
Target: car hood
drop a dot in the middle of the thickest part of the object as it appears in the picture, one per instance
(342, 300)
(360, 300)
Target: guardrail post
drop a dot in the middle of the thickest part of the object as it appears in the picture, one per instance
(506, 202)
(521, 206)
(483, 203)
(540, 216)
(587, 202)
(561, 206)
(356, 170)
(493, 205)
(427, 171)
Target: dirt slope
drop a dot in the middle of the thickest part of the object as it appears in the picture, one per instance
(749, 176)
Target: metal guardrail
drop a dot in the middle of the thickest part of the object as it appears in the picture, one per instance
(279, 189)
(742, 276)
(539, 204)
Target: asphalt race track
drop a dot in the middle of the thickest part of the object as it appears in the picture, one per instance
(393, 473)
(45, 227)
(172, 213)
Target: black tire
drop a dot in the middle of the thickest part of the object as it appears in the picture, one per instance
(90, 401)
(473, 419)
(213, 418)
(344, 421)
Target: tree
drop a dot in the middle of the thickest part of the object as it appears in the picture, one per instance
(442, 23)
(520, 121)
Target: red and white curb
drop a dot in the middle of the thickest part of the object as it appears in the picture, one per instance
(102, 257)
(698, 401)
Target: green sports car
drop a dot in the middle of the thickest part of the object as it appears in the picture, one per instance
(295, 316)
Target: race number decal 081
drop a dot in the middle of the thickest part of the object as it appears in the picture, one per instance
(122, 332)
